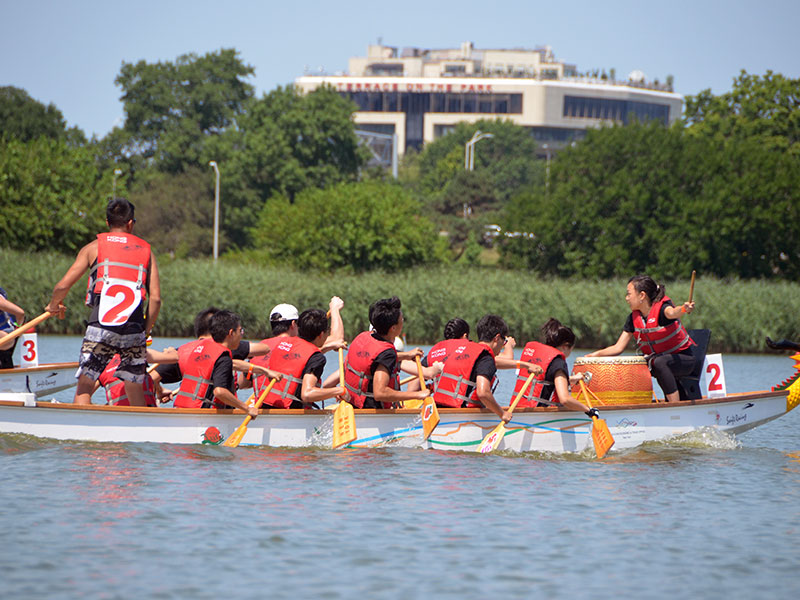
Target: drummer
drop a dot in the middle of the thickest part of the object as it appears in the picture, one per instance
(655, 323)
(551, 384)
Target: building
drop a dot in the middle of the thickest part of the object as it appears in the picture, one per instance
(420, 95)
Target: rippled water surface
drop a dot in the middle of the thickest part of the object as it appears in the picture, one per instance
(704, 516)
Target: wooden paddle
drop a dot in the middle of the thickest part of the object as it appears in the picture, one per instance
(492, 441)
(691, 290)
(344, 419)
(428, 412)
(25, 326)
(601, 436)
(236, 437)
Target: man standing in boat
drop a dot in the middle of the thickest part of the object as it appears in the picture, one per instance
(469, 371)
(373, 362)
(124, 294)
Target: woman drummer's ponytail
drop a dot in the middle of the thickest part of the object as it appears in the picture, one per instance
(556, 334)
(646, 284)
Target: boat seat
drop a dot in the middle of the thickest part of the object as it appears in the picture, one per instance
(689, 386)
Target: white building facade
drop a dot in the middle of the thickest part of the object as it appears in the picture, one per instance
(420, 95)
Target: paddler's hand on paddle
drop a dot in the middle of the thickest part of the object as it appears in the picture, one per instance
(58, 309)
(506, 416)
(410, 354)
(687, 307)
(532, 368)
(259, 370)
(420, 394)
(592, 413)
(252, 411)
(336, 303)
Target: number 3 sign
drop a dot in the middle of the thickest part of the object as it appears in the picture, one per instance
(29, 350)
(713, 376)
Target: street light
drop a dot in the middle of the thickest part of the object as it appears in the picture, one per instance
(546, 170)
(469, 160)
(213, 165)
(469, 149)
(117, 173)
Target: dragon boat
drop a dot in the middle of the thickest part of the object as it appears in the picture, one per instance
(548, 429)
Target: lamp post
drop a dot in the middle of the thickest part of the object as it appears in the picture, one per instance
(469, 149)
(546, 170)
(117, 173)
(469, 160)
(213, 165)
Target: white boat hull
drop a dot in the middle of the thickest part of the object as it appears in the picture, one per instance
(41, 380)
(538, 430)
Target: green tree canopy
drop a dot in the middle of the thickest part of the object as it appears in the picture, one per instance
(25, 119)
(287, 142)
(171, 108)
(51, 195)
(352, 226)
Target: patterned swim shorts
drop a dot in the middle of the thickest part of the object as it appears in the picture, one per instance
(99, 347)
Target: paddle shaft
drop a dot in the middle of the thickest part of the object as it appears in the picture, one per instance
(691, 286)
(24, 327)
(236, 436)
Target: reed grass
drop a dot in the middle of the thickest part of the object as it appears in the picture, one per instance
(739, 313)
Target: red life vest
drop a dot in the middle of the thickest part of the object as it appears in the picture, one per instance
(655, 339)
(362, 352)
(542, 355)
(118, 279)
(115, 388)
(441, 350)
(196, 360)
(451, 388)
(289, 357)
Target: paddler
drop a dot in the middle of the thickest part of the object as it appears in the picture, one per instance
(455, 331)
(373, 362)
(551, 387)
(11, 317)
(470, 369)
(299, 359)
(115, 388)
(124, 293)
(171, 373)
(207, 367)
(655, 323)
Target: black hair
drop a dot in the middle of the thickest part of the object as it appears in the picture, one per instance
(221, 324)
(556, 334)
(279, 327)
(385, 314)
(119, 211)
(202, 322)
(646, 284)
(456, 329)
(490, 326)
(311, 323)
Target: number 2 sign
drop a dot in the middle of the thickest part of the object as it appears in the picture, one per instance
(713, 376)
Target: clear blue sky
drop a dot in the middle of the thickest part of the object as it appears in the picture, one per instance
(69, 52)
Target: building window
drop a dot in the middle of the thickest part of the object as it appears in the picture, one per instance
(616, 110)
(390, 69)
(437, 102)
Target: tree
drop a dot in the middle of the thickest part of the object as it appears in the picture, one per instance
(171, 108)
(288, 142)
(52, 196)
(352, 226)
(767, 106)
(175, 212)
(25, 119)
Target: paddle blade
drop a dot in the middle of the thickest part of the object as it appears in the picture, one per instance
(430, 417)
(344, 424)
(601, 436)
(492, 441)
(236, 437)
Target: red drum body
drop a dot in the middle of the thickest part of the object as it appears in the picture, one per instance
(617, 379)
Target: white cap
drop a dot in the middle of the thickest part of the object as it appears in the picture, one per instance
(283, 312)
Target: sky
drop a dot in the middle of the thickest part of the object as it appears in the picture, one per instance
(68, 53)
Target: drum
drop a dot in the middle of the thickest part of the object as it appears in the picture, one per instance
(616, 379)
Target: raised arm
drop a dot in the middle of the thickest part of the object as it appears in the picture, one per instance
(617, 348)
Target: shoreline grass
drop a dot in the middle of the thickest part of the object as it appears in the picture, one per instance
(739, 313)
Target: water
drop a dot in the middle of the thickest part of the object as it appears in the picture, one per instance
(708, 516)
